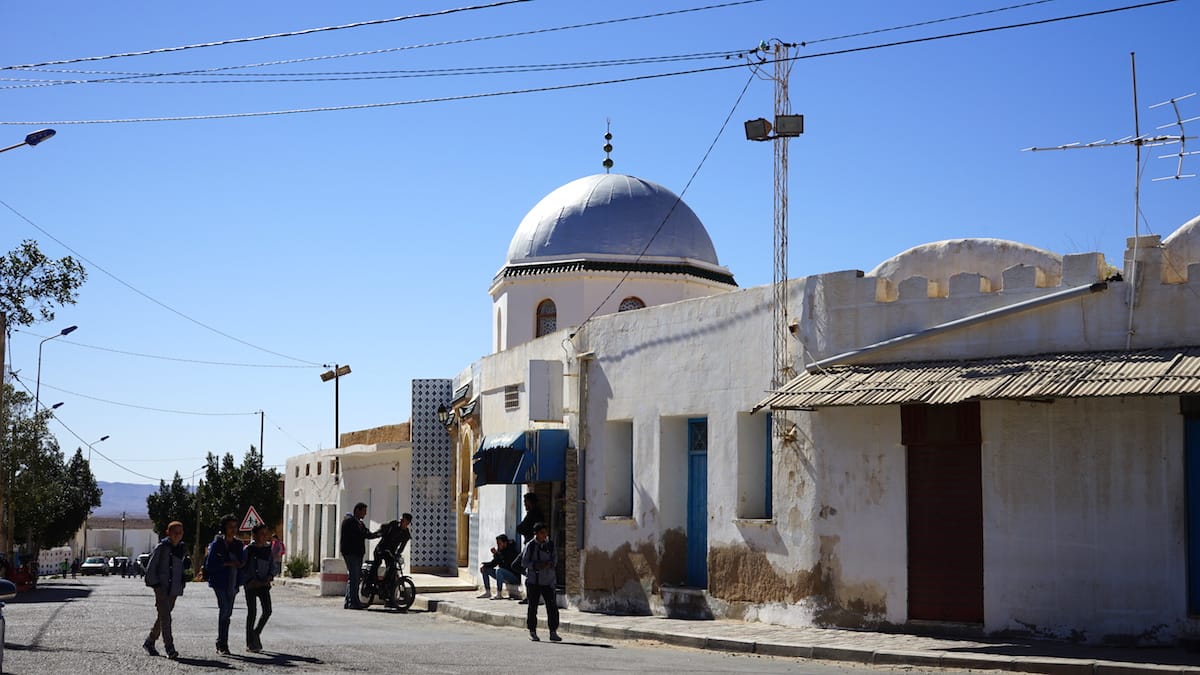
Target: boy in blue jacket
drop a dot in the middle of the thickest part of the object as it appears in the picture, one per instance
(226, 555)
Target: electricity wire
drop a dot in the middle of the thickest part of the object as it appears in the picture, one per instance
(924, 23)
(580, 85)
(350, 76)
(165, 306)
(150, 408)
(306, 31)
(166, 358)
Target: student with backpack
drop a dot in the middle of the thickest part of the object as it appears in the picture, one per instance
(258, 572)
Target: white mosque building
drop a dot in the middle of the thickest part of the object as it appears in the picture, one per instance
(984, 434)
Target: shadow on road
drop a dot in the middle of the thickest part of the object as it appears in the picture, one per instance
(51, 593)
(277, 659)
(205, 663)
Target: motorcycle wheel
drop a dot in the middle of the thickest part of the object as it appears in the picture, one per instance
(366, 593)
(406, 593)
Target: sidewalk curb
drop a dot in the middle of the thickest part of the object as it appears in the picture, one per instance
(1043, 665)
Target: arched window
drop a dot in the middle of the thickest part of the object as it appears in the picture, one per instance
(630, 303)
(547, 318)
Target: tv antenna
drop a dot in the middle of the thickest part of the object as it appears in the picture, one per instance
(1139, 141)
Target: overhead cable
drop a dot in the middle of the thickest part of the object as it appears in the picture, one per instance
(580, 85)
(231, 41)
(145, 407)
(167, 358)
(147, 296)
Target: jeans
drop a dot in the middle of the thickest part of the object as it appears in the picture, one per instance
(501, 575)
(535, 593)
(262, 595)
(225, 598)
(354, 569)
(163, 604)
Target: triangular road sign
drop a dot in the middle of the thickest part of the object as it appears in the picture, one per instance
(251, 520)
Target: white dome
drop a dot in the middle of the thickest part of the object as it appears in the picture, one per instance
(611, 215)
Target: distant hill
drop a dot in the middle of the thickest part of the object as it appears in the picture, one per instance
(127, 497)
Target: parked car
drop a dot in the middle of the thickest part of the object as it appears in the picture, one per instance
(117, 564)
(140, 566)
(95, 565)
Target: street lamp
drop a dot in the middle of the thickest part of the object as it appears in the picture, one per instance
(32, 139)
(335, 373)
(89, 513)
(37, 391)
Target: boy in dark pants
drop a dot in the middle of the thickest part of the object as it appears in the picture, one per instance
(259, 570)
(539, 560)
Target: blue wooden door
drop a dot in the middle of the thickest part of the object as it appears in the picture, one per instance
(1191, 436)
(697, 503)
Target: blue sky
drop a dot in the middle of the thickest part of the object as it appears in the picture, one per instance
(370, 237)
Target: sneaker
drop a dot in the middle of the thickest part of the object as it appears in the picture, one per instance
(554, 636)
(172, 654)
(523, 602)
(533, 636)
(485, 595)
(223, 650)
(149, 647)
(498, 597)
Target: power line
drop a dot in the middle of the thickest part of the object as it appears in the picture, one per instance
(348, 76)
(147, 296)
(442, 43)
(580, 85)
(152, 409)
(165, 358)
(231, 41)
(924, 23)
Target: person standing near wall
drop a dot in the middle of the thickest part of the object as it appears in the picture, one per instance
(278, 550)
(165, 576)
(353, 547)
(539, 560)
(226, 555)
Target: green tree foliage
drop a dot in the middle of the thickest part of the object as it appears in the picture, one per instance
(49, 498)
(173, 502)
(28, 277)
(229, 489)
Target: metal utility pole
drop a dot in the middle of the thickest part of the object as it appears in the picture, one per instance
(786, 127)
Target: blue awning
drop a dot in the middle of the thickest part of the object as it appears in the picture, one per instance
(521, 457)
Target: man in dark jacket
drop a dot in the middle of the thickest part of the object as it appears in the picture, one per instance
(226, 556)
(353, 547)
(501, 568)
(533, 516)
(164, 574)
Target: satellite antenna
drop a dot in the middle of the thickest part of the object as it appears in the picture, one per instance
(1138, 141)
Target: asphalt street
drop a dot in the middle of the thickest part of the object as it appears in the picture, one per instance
(97, 625)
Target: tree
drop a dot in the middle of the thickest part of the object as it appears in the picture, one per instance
(229, 489)
(49, 498)
(28, 278)
(173, 502)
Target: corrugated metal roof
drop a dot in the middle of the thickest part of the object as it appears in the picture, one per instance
(1045, 376)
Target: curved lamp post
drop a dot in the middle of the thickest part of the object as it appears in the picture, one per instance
(32, 139)
(89, 513)
(37, 390)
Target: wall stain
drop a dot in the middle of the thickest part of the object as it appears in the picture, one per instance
(626, 578)
(739, 575)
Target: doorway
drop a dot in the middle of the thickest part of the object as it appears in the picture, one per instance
(697, 503)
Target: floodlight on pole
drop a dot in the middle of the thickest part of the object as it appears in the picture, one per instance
(335, 373)
(32, 139)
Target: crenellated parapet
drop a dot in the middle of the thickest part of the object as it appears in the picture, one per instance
(975, 298)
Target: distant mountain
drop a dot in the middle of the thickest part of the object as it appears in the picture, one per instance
(127, 497)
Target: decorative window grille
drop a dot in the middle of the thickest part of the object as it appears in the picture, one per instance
(630, 303)
(547, 318)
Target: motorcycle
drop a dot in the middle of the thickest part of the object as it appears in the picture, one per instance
(387, 582)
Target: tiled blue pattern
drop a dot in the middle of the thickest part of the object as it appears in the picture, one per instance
(432, 507)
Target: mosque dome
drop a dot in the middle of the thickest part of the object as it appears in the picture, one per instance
(611, 216)
(940, 260)
(1183, 246)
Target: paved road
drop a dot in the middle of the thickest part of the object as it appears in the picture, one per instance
(97, 624)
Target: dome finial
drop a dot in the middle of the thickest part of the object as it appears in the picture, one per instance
(608, 163)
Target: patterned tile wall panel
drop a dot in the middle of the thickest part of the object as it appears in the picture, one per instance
(433, 513)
